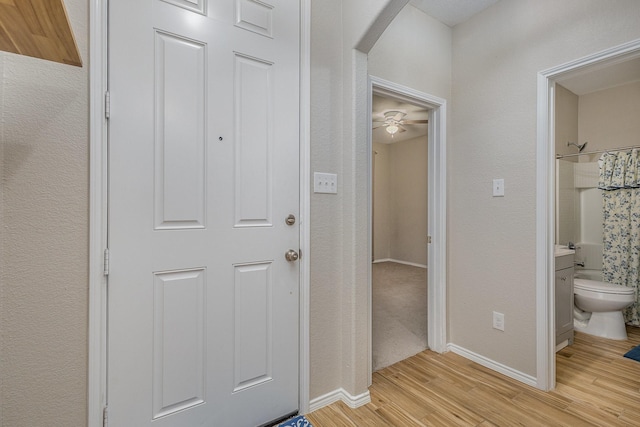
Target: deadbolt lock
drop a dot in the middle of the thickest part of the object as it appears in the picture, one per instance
(291, 219)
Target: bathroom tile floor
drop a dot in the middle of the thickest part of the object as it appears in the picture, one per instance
(596, 386)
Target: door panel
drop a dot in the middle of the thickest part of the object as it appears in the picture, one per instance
(252, 314)
(203, 170)
(180, 144)
(254, 141)
(179, 352)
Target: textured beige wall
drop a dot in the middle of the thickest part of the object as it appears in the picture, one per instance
(428, 71)
(496, 57)
(326, 215)
(338, 308)
(566, 122)
(340, 257)
(409, 200)
(382, 225)
(371, 18)
(609, 118)
(43, 284)
(400, 201)
(414, 51)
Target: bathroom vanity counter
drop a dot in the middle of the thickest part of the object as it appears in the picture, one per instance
(561, 250)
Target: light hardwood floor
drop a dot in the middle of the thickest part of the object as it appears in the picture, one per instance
(596, 386)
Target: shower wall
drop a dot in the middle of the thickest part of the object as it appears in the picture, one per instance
(579, 210)
(566, 203)
(381, 206)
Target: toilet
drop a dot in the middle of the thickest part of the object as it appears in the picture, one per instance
(598, 308)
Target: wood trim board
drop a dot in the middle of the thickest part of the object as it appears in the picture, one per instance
(38, 28)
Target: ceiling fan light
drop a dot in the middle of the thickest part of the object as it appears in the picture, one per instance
(392, 129)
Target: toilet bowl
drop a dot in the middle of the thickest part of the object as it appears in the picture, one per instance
(598, 308)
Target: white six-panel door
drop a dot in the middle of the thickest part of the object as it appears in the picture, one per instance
(203, 171)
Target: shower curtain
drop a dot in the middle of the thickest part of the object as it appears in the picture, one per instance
(620, 180)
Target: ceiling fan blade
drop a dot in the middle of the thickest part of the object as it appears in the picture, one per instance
(377, 127)
(401, 129)
(414, 122)
(398, 116)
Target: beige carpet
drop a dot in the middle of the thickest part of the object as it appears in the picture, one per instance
(399, 312)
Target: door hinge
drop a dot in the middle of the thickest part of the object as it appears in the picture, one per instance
(107, 105)
(105, 270)
(105, 416)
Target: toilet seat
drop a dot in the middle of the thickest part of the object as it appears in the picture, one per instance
(601, 287)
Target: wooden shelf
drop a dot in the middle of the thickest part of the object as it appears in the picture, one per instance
(38, 28)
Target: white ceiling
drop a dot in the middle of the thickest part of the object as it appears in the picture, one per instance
(597, 78)
(452, 12)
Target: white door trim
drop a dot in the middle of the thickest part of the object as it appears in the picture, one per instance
(98, 209)
(97, 328)
(305, 199)
(437, 206)
(545, 200)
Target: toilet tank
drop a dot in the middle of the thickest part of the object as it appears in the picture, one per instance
(588, 274)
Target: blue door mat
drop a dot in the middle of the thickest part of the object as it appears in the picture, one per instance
(634, 354)
(299, 421)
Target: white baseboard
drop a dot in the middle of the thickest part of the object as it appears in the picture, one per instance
(492, 364)
(339, 395)
(375, 261)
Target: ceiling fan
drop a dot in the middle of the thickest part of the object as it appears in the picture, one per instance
(394, 122)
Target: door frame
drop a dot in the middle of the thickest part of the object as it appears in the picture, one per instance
(98, 209)
(545, 199)
(437, 206)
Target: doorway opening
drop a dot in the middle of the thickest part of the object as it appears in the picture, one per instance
(434, 239)
(606, 69)
(399, 230)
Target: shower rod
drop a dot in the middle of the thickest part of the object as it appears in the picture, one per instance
(611, 150)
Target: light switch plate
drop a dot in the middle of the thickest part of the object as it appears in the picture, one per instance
(498, 321)
(498, 187)
(325, 183)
